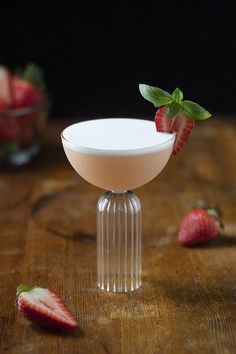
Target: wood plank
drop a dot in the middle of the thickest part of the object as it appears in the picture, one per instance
(47, 237)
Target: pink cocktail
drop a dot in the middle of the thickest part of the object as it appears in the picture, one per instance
(118, 154)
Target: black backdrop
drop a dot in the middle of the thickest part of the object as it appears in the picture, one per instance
(95, 54)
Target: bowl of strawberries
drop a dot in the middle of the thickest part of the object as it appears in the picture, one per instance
(24, 108)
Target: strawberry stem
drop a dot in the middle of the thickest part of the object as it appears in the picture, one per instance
(22, 288)
(33, 74)
(212, 210)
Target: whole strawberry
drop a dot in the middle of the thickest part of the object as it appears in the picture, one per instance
(44, 307)
(200, 225)
(28, 87)
(174, 115)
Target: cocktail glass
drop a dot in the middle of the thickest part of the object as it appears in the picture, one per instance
(118, 154)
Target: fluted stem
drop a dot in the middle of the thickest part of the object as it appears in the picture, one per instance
(119, 229)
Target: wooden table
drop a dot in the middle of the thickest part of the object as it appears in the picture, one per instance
(187, 303)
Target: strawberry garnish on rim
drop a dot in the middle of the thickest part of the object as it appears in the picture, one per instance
(44, 307)
(179, 124)
(174, 115)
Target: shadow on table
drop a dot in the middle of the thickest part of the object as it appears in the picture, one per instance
(77, 333)
(220, 242)
(192, 292)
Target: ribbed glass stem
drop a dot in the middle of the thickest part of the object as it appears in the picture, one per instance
(119, 229)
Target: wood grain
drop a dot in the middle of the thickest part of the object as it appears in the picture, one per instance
(187, 303)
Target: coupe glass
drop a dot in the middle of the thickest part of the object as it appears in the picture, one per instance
(118, 155)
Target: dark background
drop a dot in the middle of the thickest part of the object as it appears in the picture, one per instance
(94, 54)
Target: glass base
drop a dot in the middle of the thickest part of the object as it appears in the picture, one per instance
(119, 232)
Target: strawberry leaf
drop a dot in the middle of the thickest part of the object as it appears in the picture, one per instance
(22, 288)
(177, 95)
(172, 109)
(201, 204)
(33, 74)
(216, 214)
(161, 98)
(213, 211)
(155, 95)
(194, 110)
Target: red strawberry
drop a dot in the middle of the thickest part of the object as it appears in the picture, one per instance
(9, 128)
(200, 225)
(174, 115)
(3, 105)
(25, 94)
(179, 124)
(5, 89)
(44, 307)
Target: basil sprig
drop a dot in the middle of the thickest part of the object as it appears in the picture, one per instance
(174, 102)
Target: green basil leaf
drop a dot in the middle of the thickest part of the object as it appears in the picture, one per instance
(33, 74)
(194, 110)
(155, 95)
(172, 109)
(177, 95)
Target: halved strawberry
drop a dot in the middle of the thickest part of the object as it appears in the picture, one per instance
(44, 307)
(174, 115)
(5, 89)
(25, 94)
(179, 124)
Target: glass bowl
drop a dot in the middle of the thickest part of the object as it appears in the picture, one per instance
(21, 132)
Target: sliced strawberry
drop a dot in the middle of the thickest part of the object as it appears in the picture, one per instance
(180, 124)
(164, 124)
(183, 127)
(44, 307)
(200, 225)
(174, 115)
(25, 94)
(5, 89)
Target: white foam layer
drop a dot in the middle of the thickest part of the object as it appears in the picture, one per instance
(116, 136)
